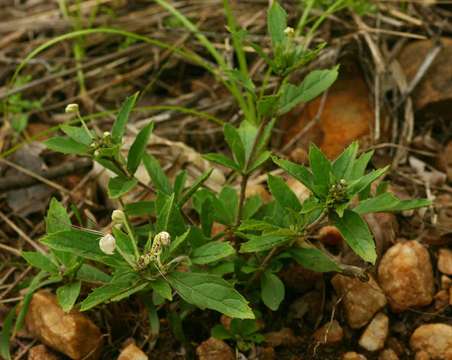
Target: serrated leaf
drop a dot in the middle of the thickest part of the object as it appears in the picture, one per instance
(283, 193)
(193, 188)
(211, 292)
(343, 165)
(315, 83)
(314, 259)
(77, 134)
(138, 148)
(360, 184)
(40, 261)
(360, 164)
(66, 145)
(211, 252)
(222, 160)
(387, 202)
(157, 175)
(119, 126)
(120, 185)
(356, 233)
(162, 288)
(321, 169)
(276, 23)
(263, 242)
(235, 143)
(272, 290)
(67, 295)
(57, 218)
(91, 274)
(299, 172)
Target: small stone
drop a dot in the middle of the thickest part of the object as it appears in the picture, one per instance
(361, 300)
(446, 282)
(73, 334)
(445, 261)
(299, 279)
(374, 337)
(258, 189)
(351, 355)
(330, 235)
(40, 352)
(422, 355)
(283, 337)
(406, 276)
(308, 307)
(299, 155)
(330, 333)
(433, 339)
(388, 354)
(267, 353)
(132, 352)
(441, 299)
(450, 295)
(214, 349)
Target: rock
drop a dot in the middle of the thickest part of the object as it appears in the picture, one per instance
(73, 334)
(267, 353)
(445, 261)
(441, 299)
(330, 235)
(433, 339)
(446, 282)
(406, 276)
(214, 349)
(388, 354)
(361, 300)
(422, 355)
(347, 115)
(132, 352)
(433, 94)
(308, 307)
(330, 333)
(374, 337)
(450, 296)
(299, 155)
(351, 355)
(258, 189)
(283, 337)
(40, 352)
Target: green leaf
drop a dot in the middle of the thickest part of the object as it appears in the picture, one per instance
(140, 208)
(162, 288)
(364, 181)
(196, 185)
(119, 126)
(262, 242)
(272, 290)
(283, 193)
(388, 202)
(360, 164)
(66, 145)
(260, 160)
(276, 23)
(120, 185)
(219, 332)
(5, 334)
(321, 169)
(40, 261)
(211, 292)
(138, 148)
(222, 160)
(267, 105)
(91, 274)
(211, 252)
(179, 183)
(57, 218)
(315, 83)
(157, 175)
(357, 235)
(314, 259)
(299, 172)
(67, 295)
(343, 165)
(77, 134)
(235, 143)
(251, 206)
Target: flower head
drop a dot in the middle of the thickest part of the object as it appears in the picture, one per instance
(289, 31)
(163, 238)
(71, 108)
(107, 244)
(118, 216)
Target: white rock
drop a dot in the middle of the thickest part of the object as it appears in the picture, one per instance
(406, 276)
(434, 340)
(374, 337)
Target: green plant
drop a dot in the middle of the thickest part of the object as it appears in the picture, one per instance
(173, 251)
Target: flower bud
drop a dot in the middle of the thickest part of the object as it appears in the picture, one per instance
(163, 238)
(71, 108)
(289, 31)
(107, 244)
(106, 134)
(118, 216)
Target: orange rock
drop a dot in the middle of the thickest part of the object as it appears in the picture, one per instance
(258, 189)
(40, 352)
(388, 354)
(330, 333)
(283, 337)
(445, 261)
(433, 339)
(351, 355)
(132, 352)
(214, 349)
(330, 235)
(374, 337)
(73, 334)
(347, 116)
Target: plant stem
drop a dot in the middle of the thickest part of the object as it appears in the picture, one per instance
(130, 232)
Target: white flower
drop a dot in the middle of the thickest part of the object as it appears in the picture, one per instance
(106, 134)
(118, 216)
(71, 108)
(163, 238)
(107, 244)
(289, 31)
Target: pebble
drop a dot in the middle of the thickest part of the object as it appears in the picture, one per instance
(132, 352)
(331, 333)
(435, 340)
(388, 354)
(445, 261)
(283, 337)
(361, 300)
(406, 276)
(73, 334)
(374, 337)
(41, 352)
(351, 355)
(214, 349)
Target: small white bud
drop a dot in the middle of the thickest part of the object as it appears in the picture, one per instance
(342, 181)
(106, 134)
(289, 31)
(71, 108)
(163, 238)
(97, 153)
(107, 244)
(118, 216)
